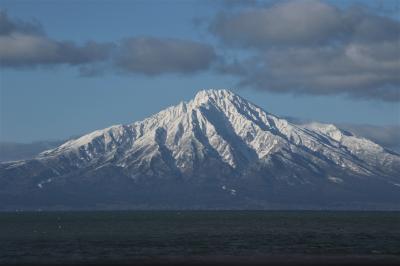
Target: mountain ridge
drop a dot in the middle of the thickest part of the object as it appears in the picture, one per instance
(217, 140)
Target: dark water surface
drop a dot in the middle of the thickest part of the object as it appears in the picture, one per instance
(123, 236)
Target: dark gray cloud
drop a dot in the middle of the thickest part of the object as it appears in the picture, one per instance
(294, 22)
(312, 47)
(358, 70)
(24, 44)
(302, 22)
(154, 56)
(8, 26)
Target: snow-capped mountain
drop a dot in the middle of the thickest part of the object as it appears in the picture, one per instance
(215, 151)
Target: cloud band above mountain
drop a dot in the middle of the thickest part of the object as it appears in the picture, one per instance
(299, 47)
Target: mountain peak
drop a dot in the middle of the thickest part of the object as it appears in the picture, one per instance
(214, 93)
(207, 94)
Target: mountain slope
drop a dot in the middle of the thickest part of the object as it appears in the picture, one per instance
(215, 151)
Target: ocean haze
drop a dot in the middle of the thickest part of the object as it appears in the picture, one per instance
(12, 151)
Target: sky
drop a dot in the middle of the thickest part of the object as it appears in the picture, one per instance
(71, 67)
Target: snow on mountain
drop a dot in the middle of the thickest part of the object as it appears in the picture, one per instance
(237, 130)
(218, 134)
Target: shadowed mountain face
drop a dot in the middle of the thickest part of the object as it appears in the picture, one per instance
(216, 151)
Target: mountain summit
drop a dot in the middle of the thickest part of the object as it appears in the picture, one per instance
(215, 151)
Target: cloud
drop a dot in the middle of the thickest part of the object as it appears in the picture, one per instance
(8, 26)
(301, 22)
(294, 22)
(300, 47)
(358, 70)
(311, 47)
(24, 44)
(154, 56)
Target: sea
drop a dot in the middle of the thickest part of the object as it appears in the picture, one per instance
(132, 237)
